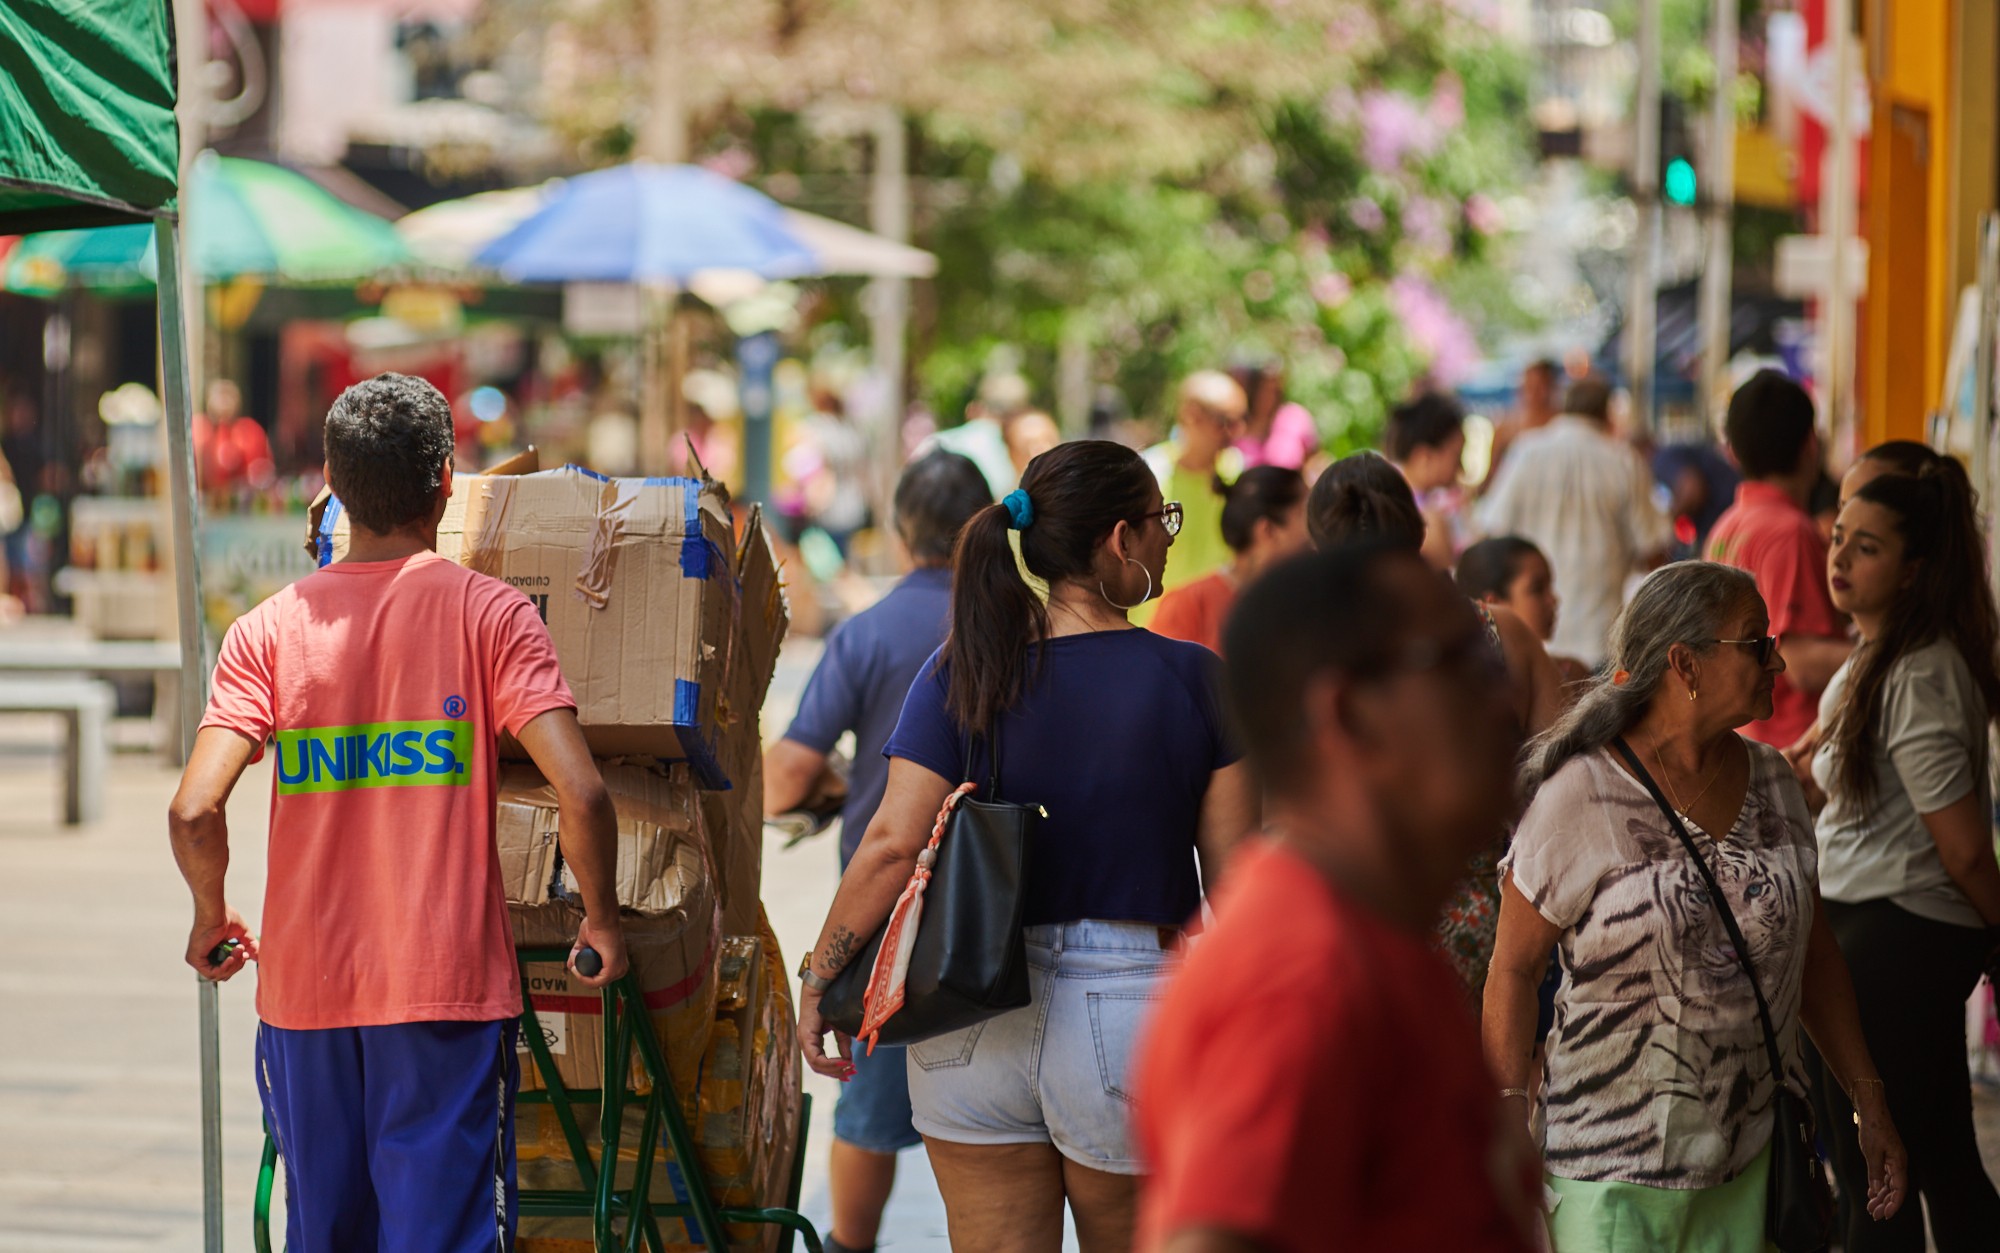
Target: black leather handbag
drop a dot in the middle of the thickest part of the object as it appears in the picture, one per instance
(1798, 1205)
(968, 962)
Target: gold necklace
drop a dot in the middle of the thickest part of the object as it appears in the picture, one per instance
(1667, 779)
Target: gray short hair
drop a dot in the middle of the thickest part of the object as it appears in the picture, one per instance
(1686, 603)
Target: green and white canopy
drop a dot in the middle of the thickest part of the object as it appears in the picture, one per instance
(256, 220)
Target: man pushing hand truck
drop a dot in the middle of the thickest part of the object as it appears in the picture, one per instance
(388, 989)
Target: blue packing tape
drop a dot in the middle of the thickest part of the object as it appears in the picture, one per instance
(327, 518)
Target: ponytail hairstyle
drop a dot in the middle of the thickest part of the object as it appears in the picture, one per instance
(1363, 497)
(1937, 515)
(1260, 494)
(1687, 603)
(1070, 499)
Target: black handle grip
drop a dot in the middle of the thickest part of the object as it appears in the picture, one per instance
(223, 952)
(588, 963)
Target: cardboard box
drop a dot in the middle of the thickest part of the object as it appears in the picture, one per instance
(675, 959)
(635, 580)
(735, 818)
(672, 920)
(767, 615)
(744, 1116)
(664, 855)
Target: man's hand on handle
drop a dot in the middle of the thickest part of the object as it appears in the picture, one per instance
(607, 939)
(209, 934)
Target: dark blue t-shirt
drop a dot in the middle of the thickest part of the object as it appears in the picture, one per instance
(1116, 738)
(863, 676)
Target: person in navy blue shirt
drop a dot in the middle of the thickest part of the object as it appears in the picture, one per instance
(1118, 735)
(863, 676)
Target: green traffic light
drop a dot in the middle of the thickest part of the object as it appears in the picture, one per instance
(1680, 181)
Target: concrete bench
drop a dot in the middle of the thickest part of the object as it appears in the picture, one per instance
(86, 706)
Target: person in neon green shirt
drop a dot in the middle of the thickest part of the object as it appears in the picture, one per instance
(1194, 466)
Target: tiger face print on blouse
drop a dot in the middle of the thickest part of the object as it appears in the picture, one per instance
(1656, 1070)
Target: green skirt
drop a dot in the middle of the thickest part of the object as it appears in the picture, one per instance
(1633, 1218)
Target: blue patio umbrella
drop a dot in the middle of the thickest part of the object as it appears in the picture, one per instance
(644, 223)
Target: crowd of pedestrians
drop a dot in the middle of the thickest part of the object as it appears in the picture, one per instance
(1354, 879)
(1350, 920)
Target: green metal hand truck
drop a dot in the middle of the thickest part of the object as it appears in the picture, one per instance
(626, 1025)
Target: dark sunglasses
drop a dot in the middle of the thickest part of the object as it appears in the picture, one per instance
(1762, 648)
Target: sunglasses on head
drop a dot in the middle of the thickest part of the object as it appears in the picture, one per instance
(1762, 648)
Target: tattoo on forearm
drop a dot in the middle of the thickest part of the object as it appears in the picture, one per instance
(840, 949)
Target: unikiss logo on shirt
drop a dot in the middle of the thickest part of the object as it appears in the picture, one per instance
(375, 754)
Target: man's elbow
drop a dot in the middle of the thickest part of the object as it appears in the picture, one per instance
(591, 800)
(187, 815)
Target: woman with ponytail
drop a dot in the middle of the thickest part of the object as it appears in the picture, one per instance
(1906, 842)
(1118, 735)
(1657, 1090)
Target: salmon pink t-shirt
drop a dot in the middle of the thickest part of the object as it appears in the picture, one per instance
(385, 686)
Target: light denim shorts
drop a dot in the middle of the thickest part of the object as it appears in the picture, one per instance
(1058, 1070)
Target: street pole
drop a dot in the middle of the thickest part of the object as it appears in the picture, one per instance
(889, 297)
(1982, 356)
(663, 134)
(191, 75)
(1641, 322)
(180, 301)
(1837, 222)
(1716, 276)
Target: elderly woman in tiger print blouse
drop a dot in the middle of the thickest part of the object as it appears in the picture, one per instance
(1657, 1093)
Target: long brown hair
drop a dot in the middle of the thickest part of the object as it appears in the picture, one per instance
(1949, 598)
(1078, 492)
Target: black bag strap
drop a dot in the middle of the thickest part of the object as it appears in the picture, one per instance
(1715, 893)
(993, 776)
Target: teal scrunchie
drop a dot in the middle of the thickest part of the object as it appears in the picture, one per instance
(1020, 510)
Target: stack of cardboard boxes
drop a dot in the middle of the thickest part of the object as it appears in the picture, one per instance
(668, 631)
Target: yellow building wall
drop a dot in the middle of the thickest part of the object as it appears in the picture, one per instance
(1910, 214)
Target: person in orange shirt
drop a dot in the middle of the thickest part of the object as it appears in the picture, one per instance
(1263, 522)
(387, 991)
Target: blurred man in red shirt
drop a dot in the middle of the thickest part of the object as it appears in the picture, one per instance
(1313, 1078)
(1768, 533)
(230, 447)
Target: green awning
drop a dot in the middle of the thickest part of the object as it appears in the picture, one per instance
(87, 131)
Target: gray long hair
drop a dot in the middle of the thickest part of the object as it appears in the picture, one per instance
(1687, 603)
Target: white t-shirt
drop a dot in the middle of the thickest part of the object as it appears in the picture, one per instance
(1585, 499)
(983, 441)
(1930, 752)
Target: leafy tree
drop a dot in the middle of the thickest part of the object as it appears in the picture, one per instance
(1175, 182)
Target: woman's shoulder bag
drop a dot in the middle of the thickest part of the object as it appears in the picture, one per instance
(950, 953)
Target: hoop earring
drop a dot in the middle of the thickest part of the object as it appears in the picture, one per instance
(1134, 605)
(1690, 693)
